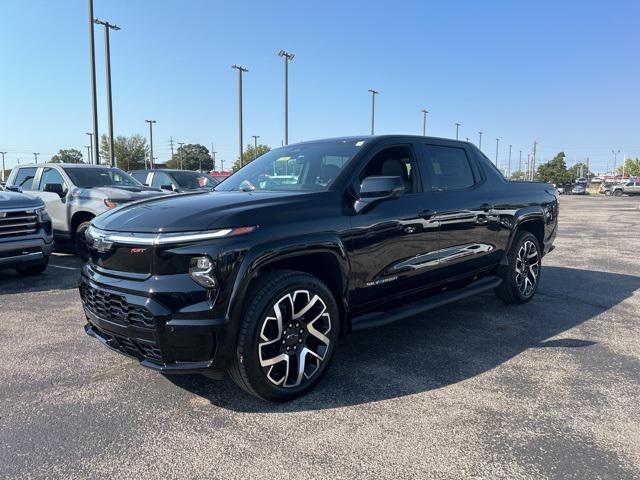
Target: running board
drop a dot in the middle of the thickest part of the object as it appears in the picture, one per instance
(377, 319)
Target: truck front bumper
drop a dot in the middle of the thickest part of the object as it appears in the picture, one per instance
(22, 252)
(130, 317)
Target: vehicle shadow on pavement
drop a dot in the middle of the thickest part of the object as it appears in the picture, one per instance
(62, 273)
(444, 346)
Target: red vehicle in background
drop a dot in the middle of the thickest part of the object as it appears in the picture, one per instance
(220, 175)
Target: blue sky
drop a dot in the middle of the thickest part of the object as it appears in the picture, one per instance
(564, 73)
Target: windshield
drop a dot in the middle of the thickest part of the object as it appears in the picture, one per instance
(194, 180)
(306, 167)
(100, 177)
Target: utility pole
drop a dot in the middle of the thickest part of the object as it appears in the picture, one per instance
(255, 146)
(171, 145)
(457, 130)
(533, 161)
(509, 164)
(88, 147)
(373, 109)
(94, 98)
(180, 144)
(35, 155)
(241, 70)
(424, 122)
(107, 54)
(497, 146)
(588, 171)
(151, 122)
(520, 162)
(480, 140)
(213, 154)
(90, 156)
(528, 167)
(3, 154)
(287, 58)
(615, 160)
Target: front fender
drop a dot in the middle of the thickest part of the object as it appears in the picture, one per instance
(265, 254)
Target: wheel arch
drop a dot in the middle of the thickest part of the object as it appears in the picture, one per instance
(324, 258)
(78, 218)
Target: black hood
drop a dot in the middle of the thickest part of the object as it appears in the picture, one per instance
(194, 211)
(13, 200)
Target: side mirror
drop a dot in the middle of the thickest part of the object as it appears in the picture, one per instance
(376, 189)
(13, 188)
(167, 187)
(54, 188)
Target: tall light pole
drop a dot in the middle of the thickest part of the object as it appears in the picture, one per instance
(457, 130)
(180, 144)
(94, 98)
(88, 147)
(480, 140)
(509, 164)
(424, 122)
(373, 109)
(241, 70)
(90, 155)
(3, 154)
(520, 162)
(287, 58)
(615, 159)
(150, 122)
(497, 146)
(213, 155)
(107, 54)
(255, 146)
(35, 155)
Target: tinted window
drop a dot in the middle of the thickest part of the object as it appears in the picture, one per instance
(100, 177)
(447, 168)
(160, 179)
(140, 176)
(25, 177)
(51, 176)
(194, 180)
(394, 162)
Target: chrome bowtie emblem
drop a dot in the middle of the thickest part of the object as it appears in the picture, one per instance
(3, 214)
(102, 244)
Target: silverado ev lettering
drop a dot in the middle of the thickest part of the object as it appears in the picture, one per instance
(260, 277)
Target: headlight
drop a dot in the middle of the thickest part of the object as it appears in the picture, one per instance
(201, 270)
(43, 216)
(113, 203)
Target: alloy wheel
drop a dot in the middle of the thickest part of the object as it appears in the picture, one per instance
(527, 268)
(294, 338)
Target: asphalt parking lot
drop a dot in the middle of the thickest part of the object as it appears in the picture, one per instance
(478, 389)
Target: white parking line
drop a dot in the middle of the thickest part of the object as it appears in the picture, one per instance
(65, 268)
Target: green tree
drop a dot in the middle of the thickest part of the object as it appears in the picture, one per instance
(130, 152)
(575, 171)
(555, 170)
(631, 167)
(517, 175)
(67, 155)
(194, 157)
(249, 155)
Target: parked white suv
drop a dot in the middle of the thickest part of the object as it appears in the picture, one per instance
(76, 193)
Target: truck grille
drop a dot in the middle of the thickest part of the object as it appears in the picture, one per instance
(130, 346)
(22, 222)
(115, 308)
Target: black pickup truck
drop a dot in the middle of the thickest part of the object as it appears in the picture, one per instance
(307, 243)
(26, 234)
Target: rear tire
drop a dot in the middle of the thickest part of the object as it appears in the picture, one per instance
(521, 279)
(286, 337)
(33, 269)
(617, 193)
(81, 246)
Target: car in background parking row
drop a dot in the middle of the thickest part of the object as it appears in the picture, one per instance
(630, 187)
(173, 180)
(74, 194)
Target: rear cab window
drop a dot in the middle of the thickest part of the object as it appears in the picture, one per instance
(446, 168)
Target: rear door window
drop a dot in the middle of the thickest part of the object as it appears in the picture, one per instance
(447, 168)
(161, 179)
(24, 178)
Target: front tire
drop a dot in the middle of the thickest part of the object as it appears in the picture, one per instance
(617, 193)
(81, 246)
(286, 337)
(521, 279)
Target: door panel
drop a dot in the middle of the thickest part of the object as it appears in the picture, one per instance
(56, 206)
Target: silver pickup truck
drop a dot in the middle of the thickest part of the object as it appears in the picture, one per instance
(631, 187)
(75, 193)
